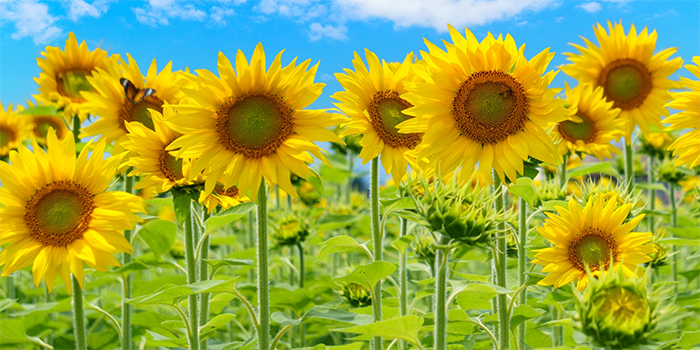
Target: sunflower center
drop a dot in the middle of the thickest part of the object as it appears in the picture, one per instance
(170, 166)
(71, 83)
(592, 248)
(59, 213)
(229, 192)
(623, 304)
(254, 124)
(385, 113)
(490, 106)
(584, 131)
(626, 82)
(137, 111)
(42, 124)
(6, 136)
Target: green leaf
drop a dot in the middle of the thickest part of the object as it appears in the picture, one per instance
(477, 296)
(219, 263)
(689, 340)
(336, 175)
(390, 205)
(680, 241)
(284, 319)
(328, 316)
(172, 294)
(409, 215)
(334, 222)
(685, 232)
(13, 332)
(523, 188)
(316, 181)
(5, 303)
(157, 340)
(41, 111)
(219, 302)
(217, 322)
(159, 235)
(652, 186)
(550, 205)
(565, 322)
(404, 328)
(533, 278)
(132, 267)
(368, 275)
(181, 206)
(228, 216)
(338, 244)
(160, 202)
(403, 243)
(521, 314)
(586, 169)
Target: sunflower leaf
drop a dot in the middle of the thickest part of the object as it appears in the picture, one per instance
(368, 275)
(404, 328)
(159, 235)
(523, 188)
(316, 181)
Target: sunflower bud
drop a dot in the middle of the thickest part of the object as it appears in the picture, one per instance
(355, 294)
(424, 247)
(655, 144)
(612, 192)
(666, 172)
(549, 190)
(289, 231)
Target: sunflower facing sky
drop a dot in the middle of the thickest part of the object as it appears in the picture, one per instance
(632, 76)
(592, 123)
(56, 213)
(64, 75)
(483, 102)
(248, 124)
(591, 237)
(687, 146)
(371, 100)
(13, 129)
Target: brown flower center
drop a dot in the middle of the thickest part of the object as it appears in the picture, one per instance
(490, 106)
(7, 135)
(43, 123)
(229, 192)
(626, 82)
(170, 166)
(585, 131)
(385, 113)
(59, 213)
(72, 82)
(592, 248)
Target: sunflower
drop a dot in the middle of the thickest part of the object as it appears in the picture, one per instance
(687, 146)
(632, 77)
(13, 129)
(222, 198)
(483, 102)
(55, 212)
(249, 123)
(592, 123)
(371, 100)
(41, 122)
(124, 95)
(65, 74)
(591, 238)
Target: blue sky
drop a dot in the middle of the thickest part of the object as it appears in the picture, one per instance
(191, 33)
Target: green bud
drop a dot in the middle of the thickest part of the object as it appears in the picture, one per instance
(289, 231)
(355, 294)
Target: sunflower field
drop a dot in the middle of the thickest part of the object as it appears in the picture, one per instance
(216, 211)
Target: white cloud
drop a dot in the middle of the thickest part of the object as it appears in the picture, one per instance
(317, 31)
(159, 11)
(591, 7)
(80, 8)
(218, 14)
(31, 19)
(521, 23)
(559, 19)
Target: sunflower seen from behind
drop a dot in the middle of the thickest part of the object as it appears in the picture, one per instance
(250, 123)
(371, 100)
(632, 76)
(64, 75)
(13, 129)
(483, 102)
(57, 214)
(687, 146)
(594, 237)
(592, 124)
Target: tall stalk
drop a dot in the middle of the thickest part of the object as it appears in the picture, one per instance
(78, 316)
(403, 278)
(191, 263)
(629, 165)
(204, 276)
(441, 269)
(127, 309)
(76, 128)
(302, 274)
(562, 172)
(522, 264)
(263, 273)
(501, 262)
(652, 194)
(377, 240)
(674, 223)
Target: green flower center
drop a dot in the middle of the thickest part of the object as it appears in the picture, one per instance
(59, 213)
(72, 82)
(137, 111)
(42, 124)
(490, 106)
(6, 136)
(623, 304)
(254, 125)
(170, 166)
(592, 248)
(626, 82)
(573, 131)
(385, 113)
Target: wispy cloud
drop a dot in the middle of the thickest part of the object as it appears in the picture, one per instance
(159, 11)
(31, 19)
(591, 7)
(318, 31)
(81, 8)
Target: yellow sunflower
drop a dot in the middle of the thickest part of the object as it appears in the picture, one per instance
(222, 198)
(13, 129)
(371, 100)
(483, 102)
(687, 146)
(592, 123)
(123, 95)
(591, 237)
(632, 77)
(65, 75)
(248, 124)
(55, 212)
(42, 122)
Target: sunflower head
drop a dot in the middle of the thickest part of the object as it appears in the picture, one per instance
(667, 172)
(221, 198)
(13, 129)
(656, 144)
(351, 143)
(687, 146)
(549, 190)
(355, 294)
(289, 230)
(43, 117)
(609, 191)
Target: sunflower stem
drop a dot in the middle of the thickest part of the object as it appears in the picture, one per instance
(76, 129)
(522, 264)
(629, 165)
(403, 278)
(501, 259)
(652, 194)
(302, 273)
(441, 269)
(127, 309)
(263, 278)
(674, 223)
(78, 316)
(191, 278)
(377, 240)
(562, 172)
(204, 276)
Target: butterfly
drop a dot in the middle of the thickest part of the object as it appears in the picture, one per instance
(133, 94)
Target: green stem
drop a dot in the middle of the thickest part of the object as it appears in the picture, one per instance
(403, 278)
(204, 276)
(191, 278)
(441, 268)
(78, 316)
(351, 165)
(522, 264)
(76, 128)
(562, 172)
(652, 194)
(251, 240)
(377, 240)
(629, 165)
(127, 309)
(263, 278)
(302, 274)
(501, 245)
(674, 223)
